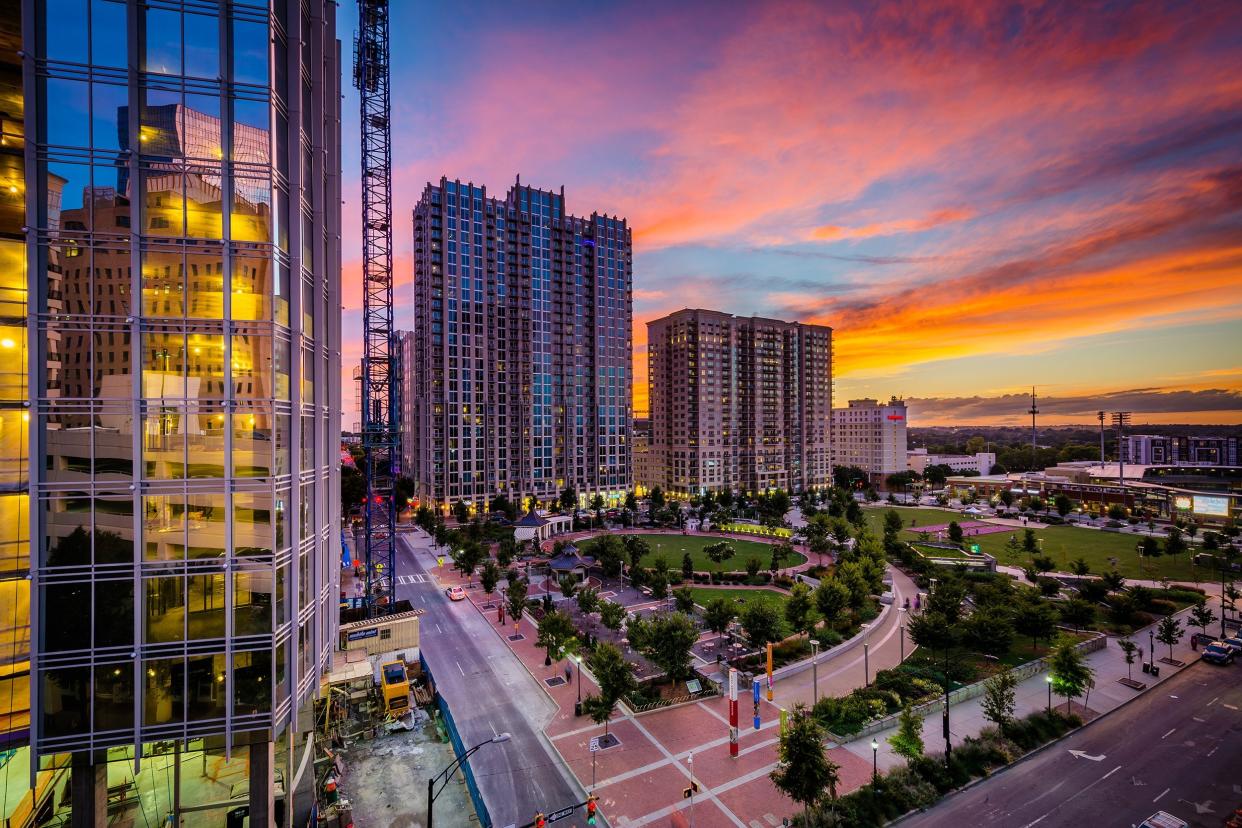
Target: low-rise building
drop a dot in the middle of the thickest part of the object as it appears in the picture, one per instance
(871, 436)
(919, 460)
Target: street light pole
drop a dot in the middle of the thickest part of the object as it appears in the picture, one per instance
(815, 668)
(1048, 680)
(447, 773)
(1151, 648)
(875, 762)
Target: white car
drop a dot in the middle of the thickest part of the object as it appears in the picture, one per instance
(455, 593)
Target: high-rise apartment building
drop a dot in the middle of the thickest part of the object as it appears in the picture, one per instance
(871, 435)
(743, 404)
(522, 348)
(403, 354)
(173, 316)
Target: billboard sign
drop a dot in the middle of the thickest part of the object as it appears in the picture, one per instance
(1213, 506)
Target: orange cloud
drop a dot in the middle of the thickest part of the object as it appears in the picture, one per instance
(832, 232)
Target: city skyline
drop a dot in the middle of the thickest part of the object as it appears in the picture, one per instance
(993, 194)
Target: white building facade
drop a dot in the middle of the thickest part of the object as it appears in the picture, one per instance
(871, 435)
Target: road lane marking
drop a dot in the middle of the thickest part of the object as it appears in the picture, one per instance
(1230, 706)
(1162, 793)
(1170, 733)
(463, 672)
(1212, 702)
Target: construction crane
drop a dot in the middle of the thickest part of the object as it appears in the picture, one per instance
(380, 431)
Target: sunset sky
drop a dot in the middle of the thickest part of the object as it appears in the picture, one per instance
(977, 198)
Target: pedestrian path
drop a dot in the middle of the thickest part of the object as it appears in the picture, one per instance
(966, 718)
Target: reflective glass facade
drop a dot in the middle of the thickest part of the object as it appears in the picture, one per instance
(174, 327)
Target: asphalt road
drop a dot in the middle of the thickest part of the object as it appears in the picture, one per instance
(1178, 748)
(489, 692)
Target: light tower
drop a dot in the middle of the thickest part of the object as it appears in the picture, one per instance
(1121, 419)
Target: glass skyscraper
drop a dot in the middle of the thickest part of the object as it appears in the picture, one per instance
(169, 402)
(520, 365)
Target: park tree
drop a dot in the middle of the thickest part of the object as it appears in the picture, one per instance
(684, 600)
(999, 698)
(556, 629)
(615, 677)
(1080, 567)
(610, 552)
(1030, 542)
(718, 615)
(657, 582)
(719, 552)
(1149, 548)
(1063, 504)
(666, 639)
(467, 558)
(1113, 580)
(1035, 618)
(461, 511)
(568, 586)
(1043, 563)
(1071, 675)
(1078, 613)
(631, 501)
(1202, 615)
(569, 498)
(908, 740)
(831, 599)
(1174, 544)
(781, 552)
(1128, 649)
(1013, 548)
(851, 576)
(988, 630)
(955, 532)
(761, 622)
(489, 577)
(753, 565)
(515, 598)
(798, 607)
(687, 567)
(804, 770)
(611, 615)
(932, 630)
(506, 551)
(1169, 631)
(947, 599)
(597, 505)
(892, 531)
(588, 600)
(637, 548)
(1006, 497)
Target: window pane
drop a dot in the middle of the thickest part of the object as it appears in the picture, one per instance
(165, 609)
(202, 46)
(163, 444)
(68, 112)
(251, 286)
(252, 679)
(205, 284)
(252, 524)
(252, 443)
(114, 613)
(205, 677)
(65, 30)
(252, 602)
(205, 603)
(252, 135)
(66, 616)
(114, 696)
(109, 121)
(165, 690)
(163, 527)
(250, 52)
(163, 38)
(65, 700)
(109, 34)
(205, 520)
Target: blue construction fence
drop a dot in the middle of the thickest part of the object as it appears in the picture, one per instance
(458, 749)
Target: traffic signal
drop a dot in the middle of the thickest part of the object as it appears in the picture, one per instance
(540, 821)
(591, 808)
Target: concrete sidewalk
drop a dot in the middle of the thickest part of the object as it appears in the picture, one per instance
(966, 719)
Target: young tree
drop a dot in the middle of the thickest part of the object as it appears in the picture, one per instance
(955, 532)
(666, 640)
(718, 615)
(1069, 670)
(831, 598)
(1013, 548)
(851, 576)
(798, 607)
(1128, 649)
(1035, 618)
(1202, 615)
(611, 615)
(1113, 580)
(631, 501)
(1030, 543)
(597, 504)
(804, 770)
(461, 512)
(1169, 632)
(588, 600)
(1063, 504)
(892, 531)
(718, 552)
(687, 567)
(636, 548)
(684, 599)
(1174, 544)
(781, 552)
(568, 498)
(988, 630)
(489, 578)
(998, 698)
(568, 586)
(753, 565)
(761, 622)
(556, 629)
(1078, 613)
(609, 551)
(515, 598)
(908, 740)
(657, 582)
(615, 677)
(947, 599)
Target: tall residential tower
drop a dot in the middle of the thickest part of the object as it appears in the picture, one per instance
(521, 360)
(738, 403)
(176, 340)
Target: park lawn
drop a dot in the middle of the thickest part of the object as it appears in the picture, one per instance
(742, 597)
(672, 547)
(937, 552)
(1062, 543)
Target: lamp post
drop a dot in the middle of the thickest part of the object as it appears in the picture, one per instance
(866, 628)
(814, 671)
(578, 704)
(1048, 681)
(875, 761)
(447, 773)
(1151, 647)
(901, 628)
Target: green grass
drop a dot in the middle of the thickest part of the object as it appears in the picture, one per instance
(672, 547)
(1062, 543)
(742, 597)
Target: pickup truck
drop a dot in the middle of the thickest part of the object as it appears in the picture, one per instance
(1218, 653)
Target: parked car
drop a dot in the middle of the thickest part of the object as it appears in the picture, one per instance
(455, 593)
(1218, 653)
(1163, 819)
(1234, 643)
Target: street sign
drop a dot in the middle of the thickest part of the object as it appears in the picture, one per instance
(594, 744)
(561, 814)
